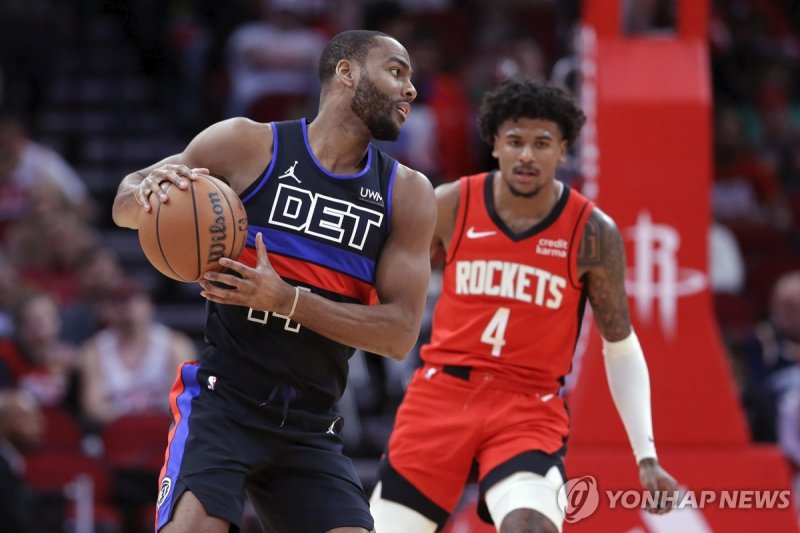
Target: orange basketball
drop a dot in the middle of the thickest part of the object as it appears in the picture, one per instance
(185, 237)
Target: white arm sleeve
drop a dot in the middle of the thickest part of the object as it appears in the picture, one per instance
(629, 383)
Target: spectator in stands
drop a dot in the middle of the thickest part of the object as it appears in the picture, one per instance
(54, 266)
(34, 359)
(99, 272)
(276, 55)
(11, 288)
(21, 429)
(129, 366)
(27, 163)
(789, 435)
(772, 358)
(746, 190)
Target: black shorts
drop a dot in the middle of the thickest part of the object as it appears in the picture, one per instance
(285, 453)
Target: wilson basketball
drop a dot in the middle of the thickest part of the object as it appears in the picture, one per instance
(187, 236)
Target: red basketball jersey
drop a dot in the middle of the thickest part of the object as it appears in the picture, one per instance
(511, 303)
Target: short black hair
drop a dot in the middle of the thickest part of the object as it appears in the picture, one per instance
(351, 44)
(523, 97)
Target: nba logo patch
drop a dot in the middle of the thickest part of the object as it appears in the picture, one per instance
(163, 491)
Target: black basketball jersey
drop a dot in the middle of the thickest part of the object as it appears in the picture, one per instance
(323, 233)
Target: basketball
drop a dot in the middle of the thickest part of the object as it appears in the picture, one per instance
(187, 236)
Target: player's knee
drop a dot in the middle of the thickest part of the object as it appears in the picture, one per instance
(527, 521)
(392, 517)
(527, 502)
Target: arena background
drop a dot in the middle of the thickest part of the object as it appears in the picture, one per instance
(692, 144)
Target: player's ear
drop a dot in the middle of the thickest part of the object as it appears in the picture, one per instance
(564, 146)
(494, 147)
(346, 72)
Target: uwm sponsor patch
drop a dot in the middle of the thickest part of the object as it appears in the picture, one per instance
(510, 280)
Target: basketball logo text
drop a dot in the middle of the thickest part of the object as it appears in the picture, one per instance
(219, 230)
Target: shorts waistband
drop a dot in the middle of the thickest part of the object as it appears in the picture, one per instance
(491, 380)
(262, 386)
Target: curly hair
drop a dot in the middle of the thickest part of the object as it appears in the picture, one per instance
(520, 97)
(352, 44)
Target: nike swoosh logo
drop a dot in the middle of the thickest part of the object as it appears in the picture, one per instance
(472, 234)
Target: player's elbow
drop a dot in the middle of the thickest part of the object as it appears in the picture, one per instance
(402, 343)
(121, 216)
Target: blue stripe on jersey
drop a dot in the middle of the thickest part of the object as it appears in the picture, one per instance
(321, 168)
(389, 189)
(177, 445)
(268, 173)
(319, 253)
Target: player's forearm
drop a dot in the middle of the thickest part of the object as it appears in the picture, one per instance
(386, 329)
(629, 382)
(126, 209)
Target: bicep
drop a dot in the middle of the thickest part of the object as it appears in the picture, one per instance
(403, 270)
(447, 197)
(604, 262)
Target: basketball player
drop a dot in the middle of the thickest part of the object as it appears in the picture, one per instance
(336, 259)
(522, 252)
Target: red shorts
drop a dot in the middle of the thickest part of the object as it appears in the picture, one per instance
(447, 422)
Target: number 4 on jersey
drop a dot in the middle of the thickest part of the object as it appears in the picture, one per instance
(495, 332)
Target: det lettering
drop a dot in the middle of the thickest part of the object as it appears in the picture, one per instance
(322, 216)
(552, 247)
(510, 280)
(218, 229)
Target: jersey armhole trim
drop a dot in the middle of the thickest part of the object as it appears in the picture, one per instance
(461, 218)
(389, 190)
(259, 184)
(577, 236)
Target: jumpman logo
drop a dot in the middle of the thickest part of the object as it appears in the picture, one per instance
(290, 173)
(330, 428)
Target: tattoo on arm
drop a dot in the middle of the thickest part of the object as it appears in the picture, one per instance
(603, 257)
(589, 249)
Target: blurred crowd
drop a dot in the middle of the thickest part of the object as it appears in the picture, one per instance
(81, 341)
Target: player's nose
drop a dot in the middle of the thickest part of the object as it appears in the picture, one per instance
(527, 154)
(409, 91)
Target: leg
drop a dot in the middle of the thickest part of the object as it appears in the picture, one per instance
(428, 458)
(320, 493)
(527, 521)
(527, 503)
(211, 472)
(393, 517)
(190, 517)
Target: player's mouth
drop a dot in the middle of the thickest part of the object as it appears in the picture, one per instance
(526, 175)
(404, 109)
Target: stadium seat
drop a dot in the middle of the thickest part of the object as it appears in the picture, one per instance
(61, 430)
(136, 442)
(51, 475)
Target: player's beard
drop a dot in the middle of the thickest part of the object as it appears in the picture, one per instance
(515, 191)
(375, 109)
(521, 194)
